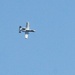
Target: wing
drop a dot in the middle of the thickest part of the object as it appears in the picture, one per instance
(26, 35)
(27, 26)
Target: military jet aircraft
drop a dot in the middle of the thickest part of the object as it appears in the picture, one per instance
(26, 30)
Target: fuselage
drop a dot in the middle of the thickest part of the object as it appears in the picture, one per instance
(26, 29)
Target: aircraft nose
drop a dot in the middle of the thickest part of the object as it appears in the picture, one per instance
(34, 30)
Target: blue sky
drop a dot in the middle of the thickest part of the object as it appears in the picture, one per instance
(48, 51)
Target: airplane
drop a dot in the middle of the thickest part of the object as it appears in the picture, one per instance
(26, 30)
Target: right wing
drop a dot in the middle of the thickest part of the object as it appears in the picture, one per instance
(27, 26)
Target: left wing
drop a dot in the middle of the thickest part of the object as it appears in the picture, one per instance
(26, 35)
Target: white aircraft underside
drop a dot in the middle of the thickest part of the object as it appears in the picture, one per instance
(26, 30)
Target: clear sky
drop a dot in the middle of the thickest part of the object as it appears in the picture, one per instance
(48, 51)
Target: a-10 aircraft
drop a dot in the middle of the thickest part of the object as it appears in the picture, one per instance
(26, 30)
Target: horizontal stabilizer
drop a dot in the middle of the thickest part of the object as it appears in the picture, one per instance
(20, 29)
